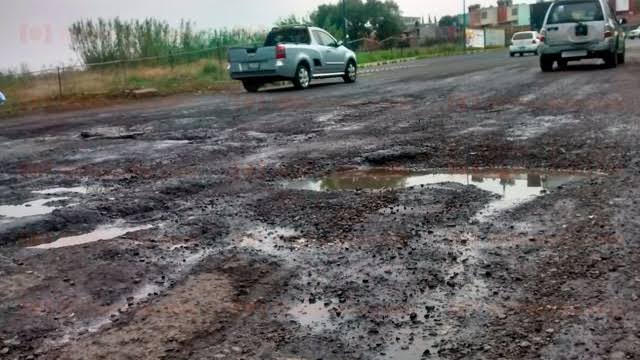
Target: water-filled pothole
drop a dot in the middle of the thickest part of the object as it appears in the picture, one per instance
(83, 190)
(32, 208)
(105, 232)
(514, 186)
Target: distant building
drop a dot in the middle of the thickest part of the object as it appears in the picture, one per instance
(489, 16)
(411, 21)
(627, 9)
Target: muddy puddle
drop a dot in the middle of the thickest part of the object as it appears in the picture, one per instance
(514, 186)
(32, 208)
(105, 232)
(82, 190)
(316, 316)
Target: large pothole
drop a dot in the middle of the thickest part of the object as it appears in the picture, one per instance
(512, 186)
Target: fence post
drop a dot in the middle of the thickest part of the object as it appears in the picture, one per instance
(220, 64)
(59, 84)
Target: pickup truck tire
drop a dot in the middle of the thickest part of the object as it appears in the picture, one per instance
(351, 72)
(251, 86)
(302, 79)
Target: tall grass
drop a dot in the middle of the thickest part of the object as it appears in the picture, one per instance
(420, 53)
(109, 40)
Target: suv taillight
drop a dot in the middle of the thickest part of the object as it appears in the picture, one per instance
(542, 35)
(608, 31)
(281, 51)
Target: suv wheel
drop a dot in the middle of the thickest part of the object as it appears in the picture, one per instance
(562, 64)
(621, 58)
(611, 60)
(251, 86)
(546, 63)
(351, 72)
(302, 79)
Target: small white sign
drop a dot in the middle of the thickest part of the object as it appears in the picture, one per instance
(622, 5)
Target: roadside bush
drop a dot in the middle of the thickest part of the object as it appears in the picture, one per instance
(209, 69)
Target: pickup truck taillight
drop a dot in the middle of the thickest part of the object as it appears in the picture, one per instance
(281, 51)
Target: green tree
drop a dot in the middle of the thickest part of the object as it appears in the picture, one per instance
(381, 18)
(292, 20)
(447, 21)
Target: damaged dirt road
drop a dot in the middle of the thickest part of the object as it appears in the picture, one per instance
(462, 207)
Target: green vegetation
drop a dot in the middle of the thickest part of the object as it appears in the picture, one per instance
(420, 53)
(112, 40)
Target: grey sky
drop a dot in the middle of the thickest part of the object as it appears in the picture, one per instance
(34, 31)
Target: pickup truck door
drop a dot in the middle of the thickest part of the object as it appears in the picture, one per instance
(332, 56)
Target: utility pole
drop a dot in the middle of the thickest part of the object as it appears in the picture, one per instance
(344, 22)
(464, 25)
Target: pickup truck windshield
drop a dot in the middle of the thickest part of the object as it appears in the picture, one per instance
(574, 12)
(288, 36)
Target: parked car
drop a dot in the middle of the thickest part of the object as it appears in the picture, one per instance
(2, 98)
(635, 33)
(295, 53)
(525, 42)
(581, 29)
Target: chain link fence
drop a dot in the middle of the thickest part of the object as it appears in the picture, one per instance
(183, 71)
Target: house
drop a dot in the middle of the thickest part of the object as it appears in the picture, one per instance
(627, 9)
(507, 12)
(411, 21)
(489, 16)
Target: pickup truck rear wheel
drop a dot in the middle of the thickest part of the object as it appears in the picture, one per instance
(251, 86)
(351, 72)
(302, 78)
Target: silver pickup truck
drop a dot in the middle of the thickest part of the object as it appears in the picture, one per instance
(295, 53)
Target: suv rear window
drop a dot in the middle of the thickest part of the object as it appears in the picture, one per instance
(574, 12)
(288, 36)
(523, 36)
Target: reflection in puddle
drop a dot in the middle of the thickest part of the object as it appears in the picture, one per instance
(32, 208)
(515, 187)
(105, 232)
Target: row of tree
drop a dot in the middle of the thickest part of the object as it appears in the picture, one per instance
(106, 40)
(363, 19)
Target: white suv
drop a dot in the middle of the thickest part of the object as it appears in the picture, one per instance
(581, 29)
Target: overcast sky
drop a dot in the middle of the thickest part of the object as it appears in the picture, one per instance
(35, 31)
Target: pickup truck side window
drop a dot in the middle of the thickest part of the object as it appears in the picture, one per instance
(316, 36)
(288, 36)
